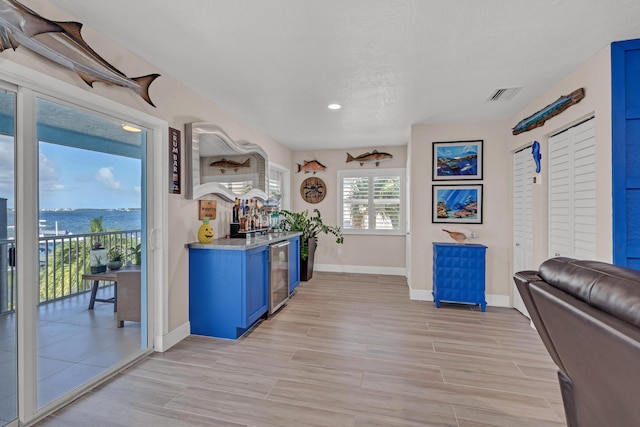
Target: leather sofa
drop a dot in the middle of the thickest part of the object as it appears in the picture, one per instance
(588, 316)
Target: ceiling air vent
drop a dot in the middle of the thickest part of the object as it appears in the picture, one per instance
(504, 94)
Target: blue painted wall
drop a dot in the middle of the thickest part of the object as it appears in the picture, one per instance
(625, 142)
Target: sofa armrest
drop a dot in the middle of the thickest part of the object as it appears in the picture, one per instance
(523, 281)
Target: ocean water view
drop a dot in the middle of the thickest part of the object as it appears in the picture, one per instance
(77, 221)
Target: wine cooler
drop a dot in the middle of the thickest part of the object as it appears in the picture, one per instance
(278, 275)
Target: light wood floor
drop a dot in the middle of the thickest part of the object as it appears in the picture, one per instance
(348, 350)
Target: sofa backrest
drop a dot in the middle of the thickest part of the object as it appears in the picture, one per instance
(587, 315)
(612, 289)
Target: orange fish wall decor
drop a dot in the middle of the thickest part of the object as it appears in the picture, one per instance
(311, 166)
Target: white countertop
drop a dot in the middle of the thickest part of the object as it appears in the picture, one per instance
(244, 244)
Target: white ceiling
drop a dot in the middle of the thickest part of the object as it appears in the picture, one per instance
(277, 64)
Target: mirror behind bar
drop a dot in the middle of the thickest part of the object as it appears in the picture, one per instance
(218, 165)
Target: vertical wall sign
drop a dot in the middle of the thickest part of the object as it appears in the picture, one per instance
(174, 161)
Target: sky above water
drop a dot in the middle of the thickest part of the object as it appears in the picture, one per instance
(72, 178)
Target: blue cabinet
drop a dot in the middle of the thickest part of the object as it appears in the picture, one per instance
(294, 263)
(459, 273)
(228, 290)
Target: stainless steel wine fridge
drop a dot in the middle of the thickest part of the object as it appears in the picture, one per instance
(278, 275)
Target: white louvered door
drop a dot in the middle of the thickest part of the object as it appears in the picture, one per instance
(572, 195)
(523, 172)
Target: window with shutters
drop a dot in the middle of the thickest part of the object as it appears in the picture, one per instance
(239, 187)
(275, 184)
(279, 185)
(371, 201)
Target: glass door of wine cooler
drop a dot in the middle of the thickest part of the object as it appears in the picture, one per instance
(278, 275)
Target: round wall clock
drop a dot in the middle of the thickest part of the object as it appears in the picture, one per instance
(313, 190)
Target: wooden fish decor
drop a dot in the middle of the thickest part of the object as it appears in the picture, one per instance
(311, 166)
(62, 43)
(456, 235)
(230, 164)
(538, 119)
(373, 157)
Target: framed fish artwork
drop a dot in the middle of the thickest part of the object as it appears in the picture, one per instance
(457, 204)
(457, 160)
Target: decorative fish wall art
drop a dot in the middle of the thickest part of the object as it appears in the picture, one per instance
(311, 166)
(373, 157)
(535, 152)
(62, 43)
(539, 118)
(225, 164)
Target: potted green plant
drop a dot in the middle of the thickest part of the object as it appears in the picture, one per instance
(310, 226)
(97, 258)
(114, 258)
(136, 254)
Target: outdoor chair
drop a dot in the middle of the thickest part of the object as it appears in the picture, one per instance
(128, 297)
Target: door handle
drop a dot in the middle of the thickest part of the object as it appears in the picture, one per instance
(152, 239)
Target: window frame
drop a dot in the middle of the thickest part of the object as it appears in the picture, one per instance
(372, 174)
(285, 202)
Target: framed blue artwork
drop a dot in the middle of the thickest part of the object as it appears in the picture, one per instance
(457, 204)
(457, 160)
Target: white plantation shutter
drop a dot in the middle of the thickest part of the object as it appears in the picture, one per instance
(237, 183)
(238, 187)
(275, 184)
(279, 187)
(572, 195)
(386, 201)
(371, 201)
(355, 203)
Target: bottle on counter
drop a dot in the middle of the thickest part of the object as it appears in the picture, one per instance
(236, 206)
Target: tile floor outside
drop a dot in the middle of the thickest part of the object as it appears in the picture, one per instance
(74, 345)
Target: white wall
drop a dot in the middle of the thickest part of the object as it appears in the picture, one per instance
(499, 145)
(373, 254)
(595, 77)
(178, 105)
(494, 232)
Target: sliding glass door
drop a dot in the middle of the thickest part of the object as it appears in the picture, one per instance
(8, 322)
(90, 210)
(74, 189)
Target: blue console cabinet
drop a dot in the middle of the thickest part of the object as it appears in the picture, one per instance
(459, 273)
(228, 290)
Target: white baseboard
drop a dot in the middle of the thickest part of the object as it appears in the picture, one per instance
(492, 300)
(498, 300)
(420, 295)
(361, 269)
(165, 342)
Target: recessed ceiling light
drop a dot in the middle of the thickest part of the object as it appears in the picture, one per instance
(334, 106)
(130, 128)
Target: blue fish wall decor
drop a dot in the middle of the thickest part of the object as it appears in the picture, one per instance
(535, 151)
(62, 43)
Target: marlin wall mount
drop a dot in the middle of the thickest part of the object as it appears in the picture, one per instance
(62, 43)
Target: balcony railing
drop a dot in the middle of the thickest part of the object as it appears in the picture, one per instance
(63, 260)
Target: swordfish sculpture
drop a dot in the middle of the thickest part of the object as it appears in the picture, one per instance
(62, 43)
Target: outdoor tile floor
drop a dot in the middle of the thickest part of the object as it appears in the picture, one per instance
(74, 345)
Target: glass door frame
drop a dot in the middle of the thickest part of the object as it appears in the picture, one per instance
(6, 86)
(30, 85)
